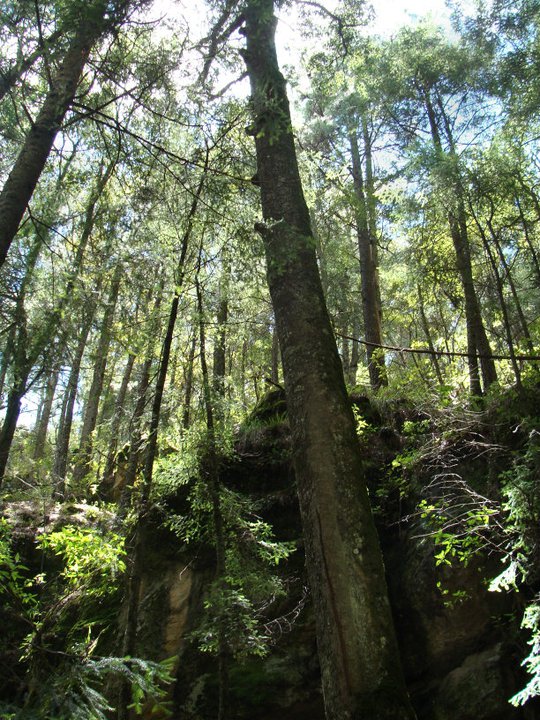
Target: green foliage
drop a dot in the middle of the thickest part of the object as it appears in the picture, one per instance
(531, 622)
(93, 559)
(521, 492)
(363, 428)
(67, 610)
(236, 605)
(456, 538)
(75, 690)
(15, 585)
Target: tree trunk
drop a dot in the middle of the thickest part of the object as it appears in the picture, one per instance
(477, 340)
(9, 425)
(107, 481)
(210, 473)
(532, 250)
(499, 285)
(135, 574)
(44, 415)
(220, 346)
(188, 384)
(361, 670)
(21, 182)
(355, 351)
(18, 353)
(136, 438)
(275, 357)
(84, 457)
(368, 272)
(68, 406)
(425, 327)
(513, 289)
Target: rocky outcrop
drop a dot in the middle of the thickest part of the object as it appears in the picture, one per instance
(460, 644)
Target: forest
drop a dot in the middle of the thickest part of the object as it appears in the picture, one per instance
(269, 361)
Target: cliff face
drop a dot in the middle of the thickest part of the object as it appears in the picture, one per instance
(460, 644)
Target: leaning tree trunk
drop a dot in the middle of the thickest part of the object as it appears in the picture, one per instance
(24, 176)
(358, 653)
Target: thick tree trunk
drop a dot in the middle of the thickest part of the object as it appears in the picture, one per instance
(368, 272)
(361, 670)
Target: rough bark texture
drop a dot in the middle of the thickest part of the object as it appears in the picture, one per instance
(361, 672)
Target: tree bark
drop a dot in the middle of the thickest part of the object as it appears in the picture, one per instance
(210, 473)
(188, 384)
(499, 285)
(20, 357)
(13, 410)
(360, 666)
(427, 332)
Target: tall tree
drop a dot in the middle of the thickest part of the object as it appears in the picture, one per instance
(361, 671)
